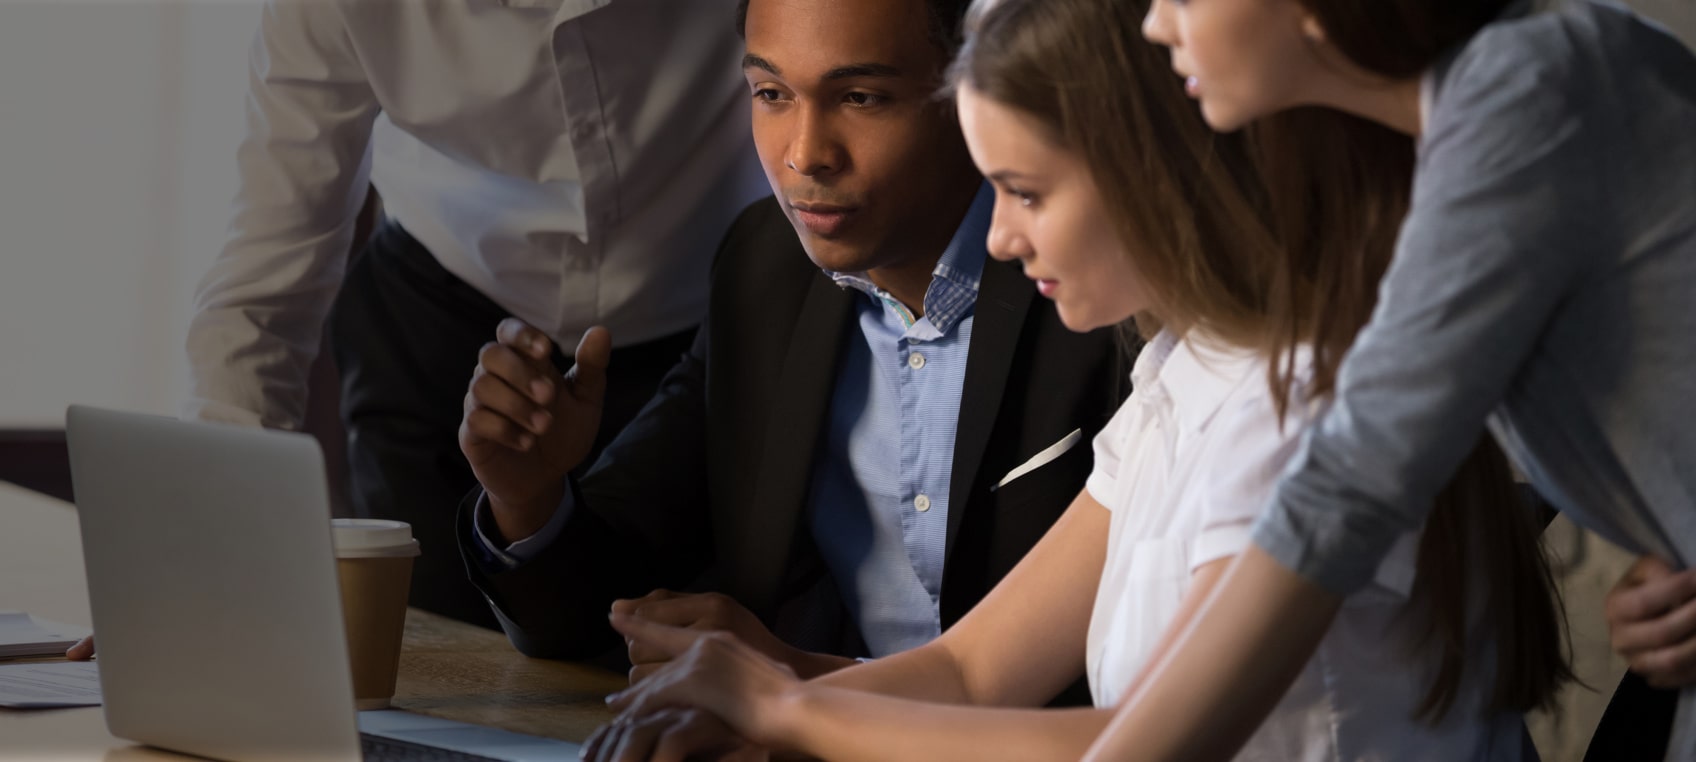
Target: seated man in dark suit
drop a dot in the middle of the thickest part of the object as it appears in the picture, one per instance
(874, 424)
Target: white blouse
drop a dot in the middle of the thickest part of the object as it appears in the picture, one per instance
(1186, 466)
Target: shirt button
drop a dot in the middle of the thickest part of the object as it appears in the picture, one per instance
(915, 361)
(921, 503)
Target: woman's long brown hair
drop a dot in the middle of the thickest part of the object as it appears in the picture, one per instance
(1272, 239)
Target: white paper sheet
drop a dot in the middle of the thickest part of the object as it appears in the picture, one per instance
(24, 635)
(49, 684)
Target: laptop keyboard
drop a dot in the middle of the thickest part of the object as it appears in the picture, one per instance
(380, 749)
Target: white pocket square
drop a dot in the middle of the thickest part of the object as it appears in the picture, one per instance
(1042, 458)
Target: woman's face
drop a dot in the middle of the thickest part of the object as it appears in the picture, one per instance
(1050, 217)
(1244, 59)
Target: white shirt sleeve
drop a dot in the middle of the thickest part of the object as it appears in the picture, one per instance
(1250, 451)
(304, 166)
(1103, 480)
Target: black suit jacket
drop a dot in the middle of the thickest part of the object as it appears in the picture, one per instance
(706, 488)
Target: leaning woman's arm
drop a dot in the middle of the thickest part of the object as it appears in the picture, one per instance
(1239, 653)
(1499, 235)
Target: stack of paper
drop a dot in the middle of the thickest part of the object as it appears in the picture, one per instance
(49, 685)
(23, 635)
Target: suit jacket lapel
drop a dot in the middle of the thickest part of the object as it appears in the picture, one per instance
(1004, 297)
(800, 405)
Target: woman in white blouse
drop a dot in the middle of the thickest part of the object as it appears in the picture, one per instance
(1119, 205)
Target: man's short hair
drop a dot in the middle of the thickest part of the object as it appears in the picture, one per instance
(944, 18)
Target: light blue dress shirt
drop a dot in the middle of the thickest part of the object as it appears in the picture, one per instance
(879, 499)
(878, 503)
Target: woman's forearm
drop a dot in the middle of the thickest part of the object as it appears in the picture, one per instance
(1236, 658)
(851, 726)
(927, 673)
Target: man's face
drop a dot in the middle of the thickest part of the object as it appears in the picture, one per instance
(869, 167)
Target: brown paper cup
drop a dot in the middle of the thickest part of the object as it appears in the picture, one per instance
(374, 563)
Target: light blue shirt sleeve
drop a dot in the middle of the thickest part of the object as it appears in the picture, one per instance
(1502, 226)
(514, 555)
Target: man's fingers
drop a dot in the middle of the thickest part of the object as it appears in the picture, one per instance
(1654, 594)
(687, 610)
(642, 672)
(588, 377)
(746, 752)
(495, 394)
(643, 653)
(1671, 628)
(525, 338)
(630, 605)
(486, 425)
(1649, 567)
(534, 379)
(665, 638)
(82, 650)
(1673, 667)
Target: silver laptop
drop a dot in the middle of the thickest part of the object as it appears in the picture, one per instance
(212, 583)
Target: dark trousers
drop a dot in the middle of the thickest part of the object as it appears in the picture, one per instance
(1636, 725)
(405, 334)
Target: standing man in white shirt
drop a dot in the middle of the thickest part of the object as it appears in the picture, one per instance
(567, 162)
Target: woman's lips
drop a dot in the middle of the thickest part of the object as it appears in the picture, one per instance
(1192, 86)
(822, 219)
(1046, 287)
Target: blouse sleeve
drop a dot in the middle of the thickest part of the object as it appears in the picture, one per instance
(1249, 448)
(1104, 478)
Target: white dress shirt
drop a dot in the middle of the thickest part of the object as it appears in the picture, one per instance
(1186, 466)
(575, 160)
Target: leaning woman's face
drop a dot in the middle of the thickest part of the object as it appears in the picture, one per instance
(1243, 59)
(1050, 217)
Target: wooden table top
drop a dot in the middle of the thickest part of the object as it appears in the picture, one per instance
(458, 671)
(448, 669)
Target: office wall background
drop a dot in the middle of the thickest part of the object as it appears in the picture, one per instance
(119, 121)
(118, 126)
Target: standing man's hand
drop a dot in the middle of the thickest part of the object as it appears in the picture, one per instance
(526, 426)
(1652, 622)
(703, 613)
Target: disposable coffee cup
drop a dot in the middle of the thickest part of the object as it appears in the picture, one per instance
(374, 562)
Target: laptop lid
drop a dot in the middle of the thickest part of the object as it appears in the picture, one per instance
(212, 585)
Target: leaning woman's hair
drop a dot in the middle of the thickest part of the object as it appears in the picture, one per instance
(1399, 39)
(1274, 238)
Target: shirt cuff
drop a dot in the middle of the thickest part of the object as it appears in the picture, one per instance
(1334, 556)
(1101, 487)
(506, 557)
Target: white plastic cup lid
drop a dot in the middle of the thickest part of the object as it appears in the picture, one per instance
(372, 538)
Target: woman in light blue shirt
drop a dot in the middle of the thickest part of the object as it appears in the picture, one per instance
(1544, 284)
